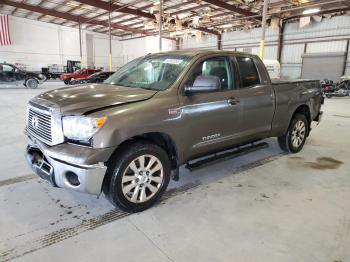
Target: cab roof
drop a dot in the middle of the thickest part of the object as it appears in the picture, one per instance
(196, 52)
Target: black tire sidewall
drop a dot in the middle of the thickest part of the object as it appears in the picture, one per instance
(115, 193)
(297, 117)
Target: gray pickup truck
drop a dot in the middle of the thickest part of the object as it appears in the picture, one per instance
(128, 137)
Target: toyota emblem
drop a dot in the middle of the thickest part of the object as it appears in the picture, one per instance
(35, 122)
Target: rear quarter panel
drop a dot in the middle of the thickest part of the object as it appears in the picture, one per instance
(289, 96)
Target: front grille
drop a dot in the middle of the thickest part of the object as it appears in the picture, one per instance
(39, 124)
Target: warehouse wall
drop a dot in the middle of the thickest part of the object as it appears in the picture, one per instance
(140, 46)
(330, 35)
(38, 44)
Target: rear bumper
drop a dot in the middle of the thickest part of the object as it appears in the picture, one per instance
(65, 168)
(319, 117)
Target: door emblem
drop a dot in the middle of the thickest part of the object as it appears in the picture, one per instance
(35, 122)
(211, 137)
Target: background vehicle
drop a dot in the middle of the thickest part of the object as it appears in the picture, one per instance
(81, 73)
(98, 77)
(130, 135)
(340, 89)
(10, 75)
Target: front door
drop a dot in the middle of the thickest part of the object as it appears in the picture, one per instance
(7, 75)
(212, 118)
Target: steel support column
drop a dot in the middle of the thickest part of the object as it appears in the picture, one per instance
(80, 46)
(346, 57)
(263, 28)
(178, 43)
(160, 24)
(280, 42)
(219, 45)
(110, 36)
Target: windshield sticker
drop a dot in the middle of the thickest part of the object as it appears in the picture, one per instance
(172, 61)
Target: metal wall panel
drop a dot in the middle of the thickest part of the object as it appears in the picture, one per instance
(323, 65)
(335, 26)
(292, 53)
(206, 42)
(324, 47)
(290, 71)
(320, 37)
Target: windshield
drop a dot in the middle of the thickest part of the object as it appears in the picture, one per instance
(150, 72)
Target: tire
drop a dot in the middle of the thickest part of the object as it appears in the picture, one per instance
(134, 187)
(67, 81)
(45, 78)
(293, 141)
(32, 83)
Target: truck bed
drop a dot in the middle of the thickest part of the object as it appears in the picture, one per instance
(293, 81)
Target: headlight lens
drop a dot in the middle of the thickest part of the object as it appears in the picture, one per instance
(81, 128)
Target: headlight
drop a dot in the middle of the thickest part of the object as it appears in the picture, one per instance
(41, 76)
(81, 128)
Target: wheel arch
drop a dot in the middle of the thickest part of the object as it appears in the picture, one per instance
(303, 109)
(161, 139)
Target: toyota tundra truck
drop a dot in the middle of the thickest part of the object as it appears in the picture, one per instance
(128, 136)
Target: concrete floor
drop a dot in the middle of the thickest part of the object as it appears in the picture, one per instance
(264, 206)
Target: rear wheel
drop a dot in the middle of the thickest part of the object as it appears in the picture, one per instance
(137, 177)
(32, 83)
(67, 81)
(294, 139)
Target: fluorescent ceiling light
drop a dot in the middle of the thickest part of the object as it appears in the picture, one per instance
(226, 26)
(311, 11)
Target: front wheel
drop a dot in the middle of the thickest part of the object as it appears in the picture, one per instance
(294, 139)
(137, 177)
(67, 81)
(32, 83)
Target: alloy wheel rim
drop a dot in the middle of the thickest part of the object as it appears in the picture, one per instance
(31, 83)
(298, 133)
(142, 178)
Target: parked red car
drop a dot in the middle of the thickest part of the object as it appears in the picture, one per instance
(81, 73)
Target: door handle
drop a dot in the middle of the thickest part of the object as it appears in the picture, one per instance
(233, 101)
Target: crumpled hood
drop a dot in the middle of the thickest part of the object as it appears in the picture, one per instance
(76, 100)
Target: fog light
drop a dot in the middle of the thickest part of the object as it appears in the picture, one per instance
(72, 178)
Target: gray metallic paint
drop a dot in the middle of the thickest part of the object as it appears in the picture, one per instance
(261, 111)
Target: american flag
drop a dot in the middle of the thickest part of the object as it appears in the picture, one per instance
(4, 30)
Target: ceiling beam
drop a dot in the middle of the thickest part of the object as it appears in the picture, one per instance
(70, 17)
(119, 8)
(122, 9)
(30, 13)
(232, 8)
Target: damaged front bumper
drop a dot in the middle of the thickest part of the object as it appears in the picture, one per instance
(69, 166)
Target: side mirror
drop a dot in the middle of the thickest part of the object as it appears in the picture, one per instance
(203, 84)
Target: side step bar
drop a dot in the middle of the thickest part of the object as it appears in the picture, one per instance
(225, 155)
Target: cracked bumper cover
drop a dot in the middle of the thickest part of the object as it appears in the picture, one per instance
(57, 162)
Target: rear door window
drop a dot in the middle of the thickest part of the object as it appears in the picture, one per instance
(248, 72)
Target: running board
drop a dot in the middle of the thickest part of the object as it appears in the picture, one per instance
(225, 155)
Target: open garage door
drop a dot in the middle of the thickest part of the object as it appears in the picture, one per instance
(323, 65)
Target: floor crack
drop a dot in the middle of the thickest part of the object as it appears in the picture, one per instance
(150, 239)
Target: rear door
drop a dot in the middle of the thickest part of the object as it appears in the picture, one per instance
(211, 119)
(256, 98)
